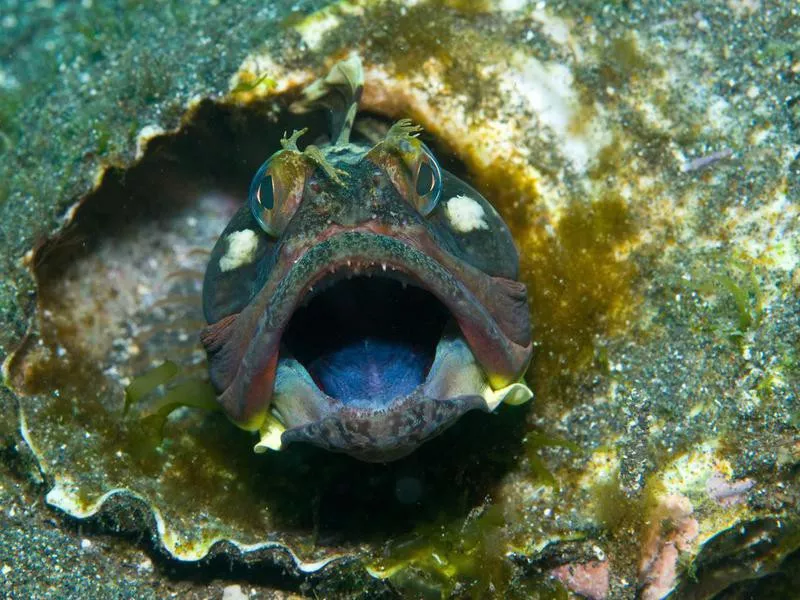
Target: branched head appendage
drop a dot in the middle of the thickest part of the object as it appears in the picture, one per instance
(290, 143)
(316, 155)
(404, 129)
(403, 136)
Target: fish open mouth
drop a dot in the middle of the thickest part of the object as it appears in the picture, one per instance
(368, 339)
(370, 345)
(372, 364)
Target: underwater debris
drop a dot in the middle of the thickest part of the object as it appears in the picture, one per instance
(701, 162)
(754, 559)
(588, 580)
(673, 531)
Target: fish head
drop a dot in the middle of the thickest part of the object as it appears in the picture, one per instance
(363, 299)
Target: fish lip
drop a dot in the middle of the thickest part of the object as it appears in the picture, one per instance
(353, 432)
(495, 350)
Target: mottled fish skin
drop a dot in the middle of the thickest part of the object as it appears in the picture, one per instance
(347, 209)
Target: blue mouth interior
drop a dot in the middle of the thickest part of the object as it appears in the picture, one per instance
(367, 340)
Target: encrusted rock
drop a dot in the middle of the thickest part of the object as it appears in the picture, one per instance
(651, 188)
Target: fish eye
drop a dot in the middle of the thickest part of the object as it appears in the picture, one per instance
(425, 179)
(261, 198)
(427, 182)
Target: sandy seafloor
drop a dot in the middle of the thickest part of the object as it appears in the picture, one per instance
(685, 114)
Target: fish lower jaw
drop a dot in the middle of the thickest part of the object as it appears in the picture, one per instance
(454, 385)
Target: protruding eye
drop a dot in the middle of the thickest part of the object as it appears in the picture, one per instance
(261, 198)
(427, 182)
(277, 188)
(410, 165)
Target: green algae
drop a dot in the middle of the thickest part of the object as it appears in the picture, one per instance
(623, 62)
(193, 393)
(149, 381)
(467, 7)
(165, 399)
(536, 441)
(740, 283)
(444, 556)
(615, 510)
(608, 161)
(580, 288)
(248, 86)
(581, 285)
(10, 104)
(625, 517)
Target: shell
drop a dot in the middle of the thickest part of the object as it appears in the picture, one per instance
(665, 310)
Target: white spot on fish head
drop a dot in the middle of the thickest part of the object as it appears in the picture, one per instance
(242, 247)
(465, 214)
